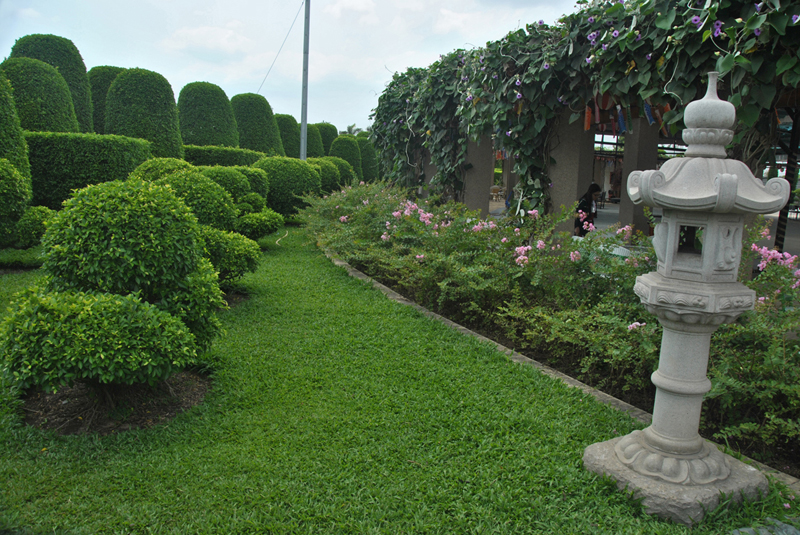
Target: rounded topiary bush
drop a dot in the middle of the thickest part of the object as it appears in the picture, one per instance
(256, 201)
(15, 196)
(232, 180)
(227, 156)
(207, 200)
(41, 96)
(328, 174)
(100, 79)
(140, 103)
(62, 54)
(135, 237)
(258, 179)
(100, 339)
(231, 253)
(206, 116)
(327, 133)
(346, 147)
(369, 159)
(12, 141)
(288, 179)
(347, 175)
(31, 226)
(314, 147)
(259, 224)
(157, 168)
(258, 129)
(290, 134)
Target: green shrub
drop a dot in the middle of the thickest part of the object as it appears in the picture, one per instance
(22, 258)
(157, 168)
(328, 174)
(230, 179)
(51, 339)
(140, 103)
(258, 129)
(100, 79)
(256, 201)
(41, 96)
(135, 237)
(259, 224)
(314, 147)
(206, 116)
(12, 142)
(32, 226)
(207, 200)
(227, 156)
(61, 163)
(259, 181)
(288, 179)
(244, 208)
(347, 175)
(62, 54)
(369, 159)
(346, 147)
(290, 134)
(15, 196)
(231, 253)
(328, 133)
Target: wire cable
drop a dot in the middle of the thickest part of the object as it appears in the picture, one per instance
(281, 48)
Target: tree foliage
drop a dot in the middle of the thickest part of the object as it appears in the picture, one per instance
(206, 116)
(258, 129)
(100, 79)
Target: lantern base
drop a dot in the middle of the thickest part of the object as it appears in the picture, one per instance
(682, 503)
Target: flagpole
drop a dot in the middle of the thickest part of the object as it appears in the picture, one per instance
(304, 112)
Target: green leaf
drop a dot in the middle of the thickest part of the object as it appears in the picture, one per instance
(623, 85)
(755, 63)
(574, 117)
(779, 21)
(755, 22)
(785, 63)
(748, 114)
(649, 93)
(706, 35)
(725, 63)
(763, 94)
(616, 7)
(664, 21)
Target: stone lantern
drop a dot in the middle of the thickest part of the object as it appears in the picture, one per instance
(704, 197)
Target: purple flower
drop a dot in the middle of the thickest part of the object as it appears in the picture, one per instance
(518, 83)
(591, 20)
(609, 22)
(638, 37)
(519, 96)
(758, 8)
(605, 46)
(696, 20)
(541, 23)
(615, 33)
(508, 133)
(717, 31)
(469, 98)
(717, 24)
(649, 56)
(795, 18)
(588, 60)
(591, 36)
(757, 32)
(546, 66)
(593, 42)
(494, 76)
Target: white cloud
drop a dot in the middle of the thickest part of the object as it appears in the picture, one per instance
(367, 6)
(225, 39)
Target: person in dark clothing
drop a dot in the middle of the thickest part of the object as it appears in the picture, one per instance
(587, 209)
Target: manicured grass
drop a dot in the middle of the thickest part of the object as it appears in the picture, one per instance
(335, 410)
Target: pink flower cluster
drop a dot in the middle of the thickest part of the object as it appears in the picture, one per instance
(540, 245)
(771, 255)
(484, 225)
(582, 215)
(343, 219)
(533, 213)
(588, 226)
(635, 325)
(522, 252)
(627, 230)
(575, 256)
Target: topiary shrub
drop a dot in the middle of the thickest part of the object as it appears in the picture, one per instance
(290, 134)
(135, 237)
(258, 129)
(50, 339)
(62, 54)
(288, 179)
(259, 224)
(231, 253)
(207, 200)
(61, 163)
(206, 116)
(140, 103)
(226, 156)
(256, 201)
(100, 79)
(328, 174)
(15, 196)
(314, 147)
(328, 133)
(244, 208)
(31, 226)
(157, 168)
(369, 159)
(346, 147)
(347, 175)
(259, 181)
(232, 180)
(41, 96)
(12, 142)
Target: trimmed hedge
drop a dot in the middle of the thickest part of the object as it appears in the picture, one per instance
(259, 181)
(258, 129)
(256, 201)
(208, 201)
(227, 156)
(346, 147)
(206, 116)
(15, 196)
(61, 163)
(347, 175)
(32, 226)
(100, 79)
(290, 134)
(232, 180)
(12, 142)
(328, 133)
(41, 96)
(328, 174)
(288, 178)
(140, 103)
(259, 224)
(157, 168)
(369, 159)
(314, 147)
(231, 253)
(62, 54)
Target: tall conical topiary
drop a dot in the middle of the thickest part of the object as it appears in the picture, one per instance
(369, 159)
(345, 146)
(290, 134)
(64, 55)
(101, 78)
(12, 142)
(314, 148)
(41, 96)
(140, 103)
(328, 132)
(258, 129)
(206, 116)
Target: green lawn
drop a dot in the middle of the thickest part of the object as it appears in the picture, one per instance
(336, 410)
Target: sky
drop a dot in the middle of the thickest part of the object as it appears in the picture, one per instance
(355, 45)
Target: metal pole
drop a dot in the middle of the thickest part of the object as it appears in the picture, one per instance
(304, 112)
